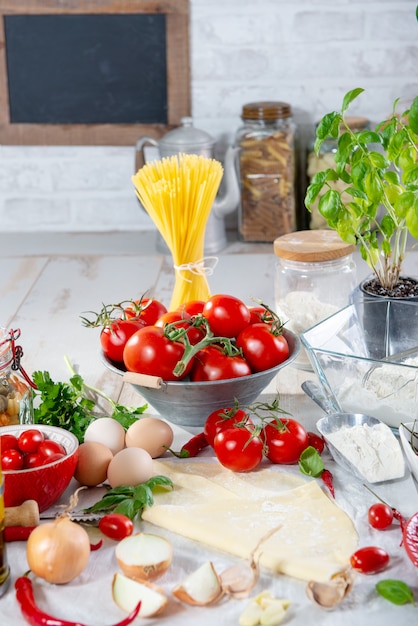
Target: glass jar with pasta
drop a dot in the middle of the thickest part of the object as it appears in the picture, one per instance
(15, 394)
(267, 166)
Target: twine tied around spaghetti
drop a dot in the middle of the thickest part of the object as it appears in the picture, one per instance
(202, 267)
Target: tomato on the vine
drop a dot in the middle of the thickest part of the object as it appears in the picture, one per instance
(116, 526)
(238, 449)
(380, 515)
(182, 319)
(227, 315)
(369, 560)
(149, 351)
(211, 363)
(146, 309)
(193, 307)
(260, 314)
(222, 419)
(262, 346)
(285, 440)
(113, 338)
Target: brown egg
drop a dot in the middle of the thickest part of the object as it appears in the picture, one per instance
(151, 434)
(130, 467)
(93, 460)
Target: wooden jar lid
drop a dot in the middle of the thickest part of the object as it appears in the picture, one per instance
(312, 246)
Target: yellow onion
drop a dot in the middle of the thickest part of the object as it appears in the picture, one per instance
(58, 551)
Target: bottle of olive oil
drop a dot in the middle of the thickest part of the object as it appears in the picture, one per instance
(4, 568)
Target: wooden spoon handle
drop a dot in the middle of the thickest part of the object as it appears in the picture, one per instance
(27, 514)
(144, 380)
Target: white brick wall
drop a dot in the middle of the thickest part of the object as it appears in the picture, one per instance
(305, 52)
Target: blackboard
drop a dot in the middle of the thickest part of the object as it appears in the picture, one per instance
(92, 72)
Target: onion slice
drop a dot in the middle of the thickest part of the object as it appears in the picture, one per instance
(144, 556)
(127, 593)
(200, 588)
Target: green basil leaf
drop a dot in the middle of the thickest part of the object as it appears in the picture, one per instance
(396, 591)
(310, 462)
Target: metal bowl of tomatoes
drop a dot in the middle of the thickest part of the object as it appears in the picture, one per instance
(189, 403)
(47, 463)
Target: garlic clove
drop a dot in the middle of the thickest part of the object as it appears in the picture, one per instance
(127, 593)
(329, 594)
(264, 610)
(201, 588)
(239, 579)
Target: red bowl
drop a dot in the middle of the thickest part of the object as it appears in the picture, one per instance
(47, 483)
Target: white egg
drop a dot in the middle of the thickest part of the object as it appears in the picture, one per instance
(130, 467)
(107, 431)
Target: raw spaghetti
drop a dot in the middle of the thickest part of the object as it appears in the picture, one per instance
(178, 192)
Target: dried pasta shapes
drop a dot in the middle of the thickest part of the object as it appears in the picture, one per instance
(178, 192)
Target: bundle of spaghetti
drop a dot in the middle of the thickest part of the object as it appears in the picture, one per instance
(177, 192)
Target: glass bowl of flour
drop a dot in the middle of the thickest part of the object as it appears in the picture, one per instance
(366, 358)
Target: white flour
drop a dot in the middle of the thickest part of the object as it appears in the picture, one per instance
(373, 450)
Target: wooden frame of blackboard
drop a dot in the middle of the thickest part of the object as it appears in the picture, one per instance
(178, 74)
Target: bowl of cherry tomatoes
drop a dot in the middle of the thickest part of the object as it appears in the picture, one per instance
(38, 463)
(205, 356)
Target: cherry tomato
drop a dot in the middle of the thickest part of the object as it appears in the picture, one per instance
(116, 526)
(30, 439)
(380, 515)
(149, 351)
(8, 442)
(285, 440)
(113, 338)
(48, 448)
(238, 449)
(227, 315)
(33, 459)
(211, 363)
(146, 309)
(222, 419)
(53, 458)
(11, 460)
(262, 347)
(316, 441)
(369, 560)
(194, 307)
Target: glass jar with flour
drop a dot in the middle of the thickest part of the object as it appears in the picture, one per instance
(315, 275)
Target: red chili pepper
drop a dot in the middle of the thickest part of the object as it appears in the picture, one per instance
(35, 617)
(328, 479)
(17, 533)
(96, 546)
(410, 538)
(195, 445)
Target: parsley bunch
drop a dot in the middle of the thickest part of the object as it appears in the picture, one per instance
(73, 405)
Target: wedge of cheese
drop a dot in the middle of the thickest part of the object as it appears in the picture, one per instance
(232, 512)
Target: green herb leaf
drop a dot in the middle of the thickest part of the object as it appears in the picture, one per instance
(396, 591)
(310, 462)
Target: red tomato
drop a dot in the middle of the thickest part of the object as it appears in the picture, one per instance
(48, 448)
(227, 315)
(149, 351)
(30, 439)
(183, 320)
(316, 441)
(285, 440)
(369, 560)
(260, 314)
(410, 538)
(8, 442)
(113, 338)
(194, 307)
(238, 449)
(11, 460)
(116, 526)
(33, 459)
(262, 347)
(222, 419)
(211, 363)
(146, 309)
(52, 458)
(380, 516)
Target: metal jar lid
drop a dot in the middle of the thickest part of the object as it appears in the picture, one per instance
(187, 138)
(312, 246)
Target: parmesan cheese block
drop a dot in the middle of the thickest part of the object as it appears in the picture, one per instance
(232, 512)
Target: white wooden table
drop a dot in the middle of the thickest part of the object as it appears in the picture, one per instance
(46, 283)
